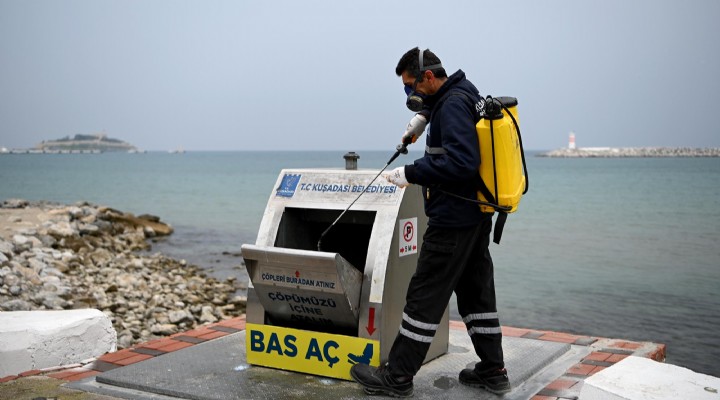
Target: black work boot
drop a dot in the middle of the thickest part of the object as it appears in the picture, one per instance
(381, 381)
(493, 381)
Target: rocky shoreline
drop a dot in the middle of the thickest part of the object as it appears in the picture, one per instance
(55, 257)
(609, 152)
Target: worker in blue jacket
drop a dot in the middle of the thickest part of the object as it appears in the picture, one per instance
(454, 254)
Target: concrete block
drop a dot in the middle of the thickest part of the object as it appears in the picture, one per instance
(42, 339)
(638, 378)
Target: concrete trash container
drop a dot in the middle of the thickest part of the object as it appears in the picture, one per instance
(321, 311)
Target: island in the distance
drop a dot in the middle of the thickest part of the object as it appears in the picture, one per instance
(97, 143)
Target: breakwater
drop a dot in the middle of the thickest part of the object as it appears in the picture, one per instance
(611, 152)
(55, 257)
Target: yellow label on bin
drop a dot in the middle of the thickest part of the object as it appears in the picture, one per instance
(310, 352)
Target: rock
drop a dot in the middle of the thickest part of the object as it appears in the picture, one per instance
(126, 280)
(15, 290)
(75, 212)
(50, 300)
(194, 299)
(128, 219)
(35, 242)
(30, 275)
(11, 280)
(3, 258)
(73, 243)
(102, 225)
(164, 329)
(47, 240)
(61, 230)
(161, 318)
(67, 256)
(149, 232)
(16, 305)
(206, 316)
(119, 306)
(149, 217)
(101, 256)
(14, 203)
(27, 231)
(59, 215)
(238, 300)
(50, 274)
(61, 266)
(179, 316)
(37, 265)
(55, 286)
(20, 240)
(125, 339)
(6, 247)
(88, 229)
(137, 306)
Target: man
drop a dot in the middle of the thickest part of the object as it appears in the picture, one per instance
(454, 255)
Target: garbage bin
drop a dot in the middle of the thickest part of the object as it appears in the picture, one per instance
(319, 311)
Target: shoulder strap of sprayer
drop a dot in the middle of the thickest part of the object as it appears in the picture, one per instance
(478, 110)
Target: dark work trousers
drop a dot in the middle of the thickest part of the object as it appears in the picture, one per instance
(450, 260)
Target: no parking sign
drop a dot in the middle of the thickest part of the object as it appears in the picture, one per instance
(407, 236)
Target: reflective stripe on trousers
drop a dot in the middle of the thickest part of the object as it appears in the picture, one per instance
(489, 323)
(421, 326)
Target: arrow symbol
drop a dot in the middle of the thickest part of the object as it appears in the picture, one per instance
(371, 321)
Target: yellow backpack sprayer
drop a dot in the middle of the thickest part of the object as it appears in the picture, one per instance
(502, 173)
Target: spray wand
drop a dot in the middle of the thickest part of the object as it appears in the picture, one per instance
(400, 149)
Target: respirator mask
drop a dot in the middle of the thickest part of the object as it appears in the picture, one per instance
(415, 100)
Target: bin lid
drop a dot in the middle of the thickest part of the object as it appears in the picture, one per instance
(302, 287)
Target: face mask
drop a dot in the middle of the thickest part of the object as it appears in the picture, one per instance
(414, 100)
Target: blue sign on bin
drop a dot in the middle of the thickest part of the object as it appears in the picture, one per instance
(288, 184)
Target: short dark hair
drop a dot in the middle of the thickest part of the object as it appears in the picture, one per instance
(410, 62)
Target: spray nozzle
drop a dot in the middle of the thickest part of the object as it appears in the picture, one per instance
(402, 148)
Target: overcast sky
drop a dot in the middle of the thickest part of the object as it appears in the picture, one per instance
(319, 75)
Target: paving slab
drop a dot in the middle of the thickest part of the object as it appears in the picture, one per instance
(637, 378)
(217, 369)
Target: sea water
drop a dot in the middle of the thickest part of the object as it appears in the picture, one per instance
(623, 248)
